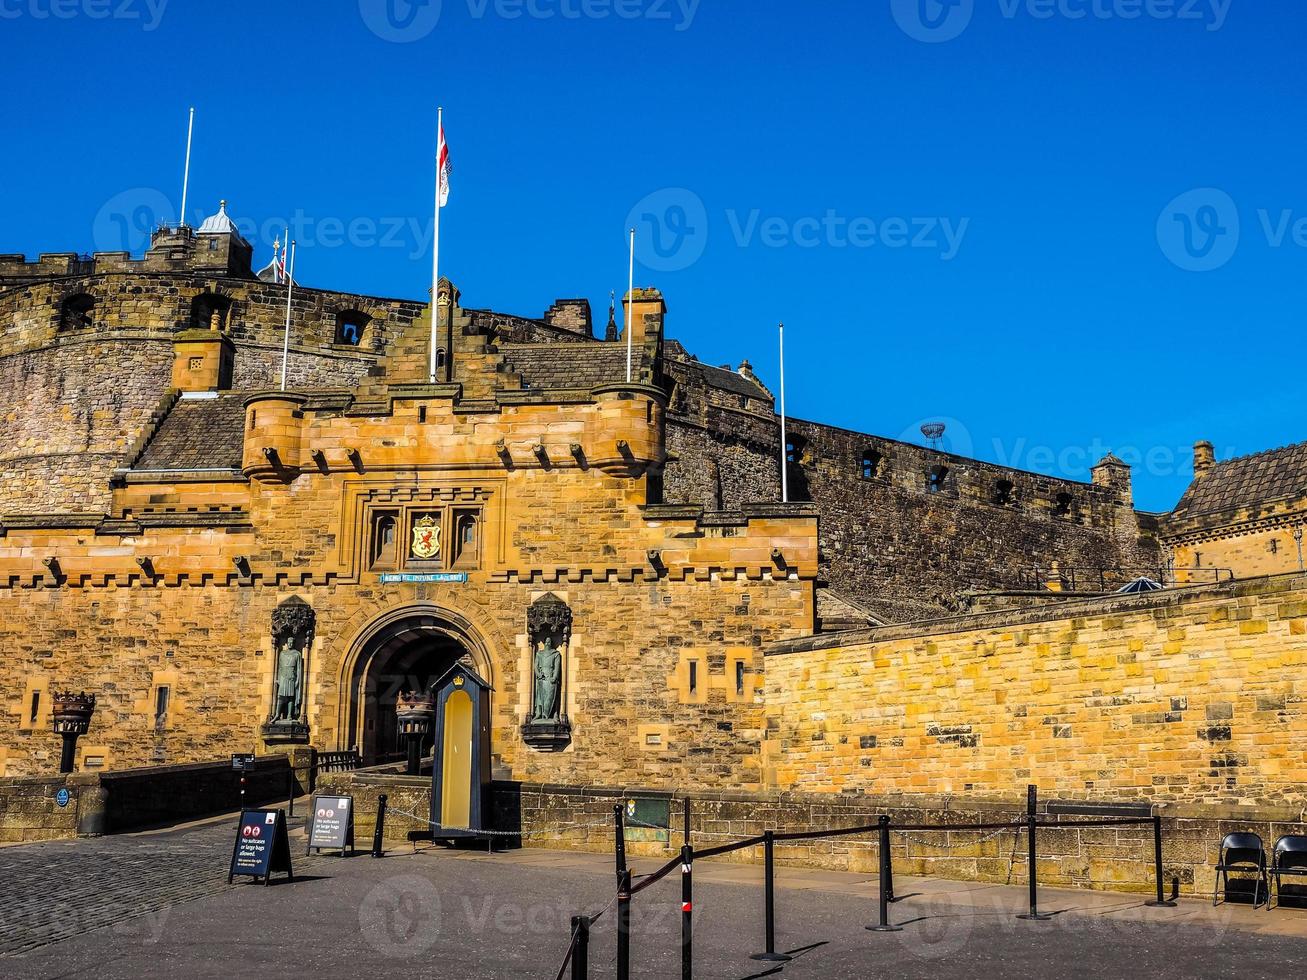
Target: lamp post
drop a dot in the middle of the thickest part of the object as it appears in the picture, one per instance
(72, 717)
(415, 713)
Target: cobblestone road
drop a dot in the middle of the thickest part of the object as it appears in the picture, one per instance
(57, 890)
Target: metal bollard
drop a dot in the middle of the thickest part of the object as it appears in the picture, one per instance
(1161, 901)
(1034, 914)
(624, 926)
(886, 881)
(770, 955)
(581, 949)
(687, 911)
(379, 832)
(290, 793)
(619, 852)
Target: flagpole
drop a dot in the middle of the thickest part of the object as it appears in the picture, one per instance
(630, 306)
(435, 253)
(785, 476)
(186, 176)
(285, 343)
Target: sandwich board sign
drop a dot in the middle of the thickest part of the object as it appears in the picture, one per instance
(262, 846)
(333, 824)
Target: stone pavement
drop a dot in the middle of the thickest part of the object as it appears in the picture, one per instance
(153, 904)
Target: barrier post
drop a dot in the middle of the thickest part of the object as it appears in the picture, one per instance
(619, 844)
(581, 948)
(1032, 822)
(687, 907)
(624, 926)
(686, 820)
(886, 885)
(1161, 901)
(379, 832)
(770, 955)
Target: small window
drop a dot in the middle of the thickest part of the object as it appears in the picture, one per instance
(466, 533)
(739, 677)
(935, 478)
(871, 462)
(385, 552)
(1275, 546)
(1198, 559)
(77, 312)
(213, 244)
(1004, 493)
(36, 707)
(422, 414)
(161, 697)
(350, 325)
(744, 401)
(440, 357)
(694, 676)
(1062, 505)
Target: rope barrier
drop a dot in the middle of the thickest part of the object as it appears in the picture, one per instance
(657, 876)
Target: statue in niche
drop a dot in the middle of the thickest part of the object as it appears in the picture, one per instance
(548, 670)
(292, 634)
(290, 678)
(549, 626)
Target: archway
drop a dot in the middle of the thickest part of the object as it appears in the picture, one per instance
(408, 649)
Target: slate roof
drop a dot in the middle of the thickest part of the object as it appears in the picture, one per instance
(198, 434)
(1276, 474)
(567, 365)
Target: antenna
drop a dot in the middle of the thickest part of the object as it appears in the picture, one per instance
(186, 178)
(934, 432)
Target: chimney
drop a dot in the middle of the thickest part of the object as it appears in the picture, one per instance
(647, 312)
(202, 360)
(1204, 457)
(571, 314)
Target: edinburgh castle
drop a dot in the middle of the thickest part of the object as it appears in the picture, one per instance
(231, 564)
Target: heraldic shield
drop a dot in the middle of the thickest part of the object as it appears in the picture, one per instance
(426, 539)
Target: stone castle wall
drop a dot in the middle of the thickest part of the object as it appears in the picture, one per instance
(1188, 696)
(910, 553)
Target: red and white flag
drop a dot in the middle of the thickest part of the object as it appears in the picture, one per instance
(443, 168)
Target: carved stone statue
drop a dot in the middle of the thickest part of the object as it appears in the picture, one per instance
(293, 624)
(548, 671)
(290, 682)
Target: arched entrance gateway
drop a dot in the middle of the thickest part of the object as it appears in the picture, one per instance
(407, 649)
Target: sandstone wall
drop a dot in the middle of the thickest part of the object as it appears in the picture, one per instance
(1186, 696)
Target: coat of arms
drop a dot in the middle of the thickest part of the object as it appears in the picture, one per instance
(426, 539)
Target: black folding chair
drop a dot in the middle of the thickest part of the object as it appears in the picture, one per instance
(1242, 852)
(1290, 859)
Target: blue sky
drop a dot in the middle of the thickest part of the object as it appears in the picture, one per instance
(1063, 226)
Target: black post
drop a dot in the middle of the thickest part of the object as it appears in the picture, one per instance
(290, 792)
(1161, 902)
(769, 900)
(1032, 822)
(619, 852)
(624, 926)
(414, 763)
(380, 830)
(68, 756)
(581, 947)
(687, 906)
(886, 881)
(686, 819)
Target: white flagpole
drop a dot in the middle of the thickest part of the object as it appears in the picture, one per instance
(435, 253)
(785, 476)
(186, 177)
(285, 343)
(630, 306)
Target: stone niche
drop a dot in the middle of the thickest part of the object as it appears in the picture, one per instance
(549, 628)
(293, 626)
